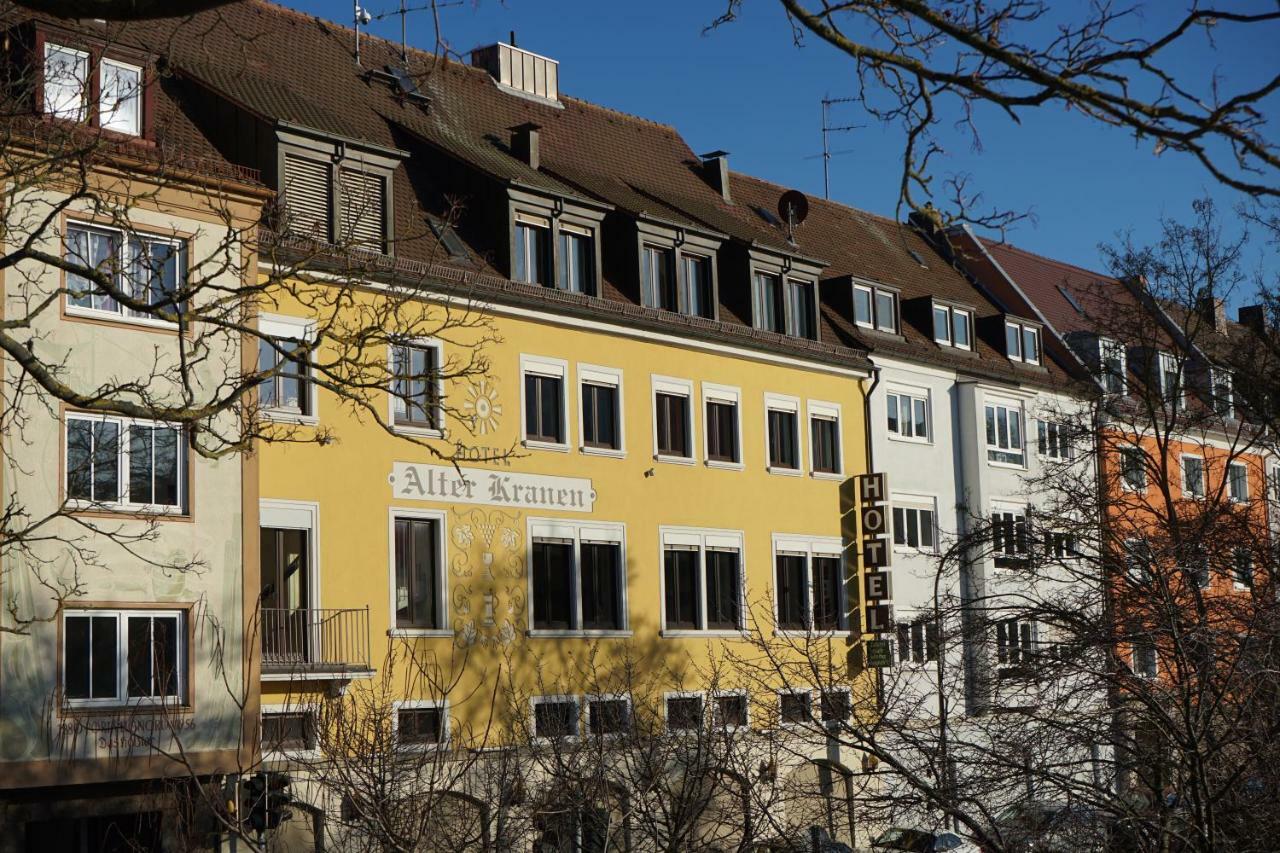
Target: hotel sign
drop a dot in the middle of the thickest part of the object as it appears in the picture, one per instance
(877, 552)
(495, 488)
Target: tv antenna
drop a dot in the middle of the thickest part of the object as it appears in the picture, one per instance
(364, 18)
(827, 130)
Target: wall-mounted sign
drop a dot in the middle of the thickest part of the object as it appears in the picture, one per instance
(447, 484)
(879, 654)
(877, 553)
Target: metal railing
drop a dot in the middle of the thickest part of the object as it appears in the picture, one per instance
(315, 640)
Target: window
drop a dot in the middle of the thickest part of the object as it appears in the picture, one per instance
(608, 716)
(1015, 642)
(1060, 545)
(913, 527)
(701, 580)
(770, 310)
(116, 657)
(673, 425)
(600, 392)
(952, 327)
(919, 641)
(420, 725)
(1169, 375)
(824, 439)
(795, 707)
(307, 192)
(828, 595)
(835, 706)
(288, 731)
(1242, 568)
(722, 425)
(419, 597)
(532, 250)
(150, 269)
(1004, 434)
(1138, 561)
(544, 402)
(120, 100)
(1192, 477)
(1222, 392)
(1196, 564)
(1238, 482)
(804, 309)
(555, 717)
(66, 82)
(1009, 543)
(784, 435)
(699, 290)
(875, 308)
(577, 578)
(415, 399)
(808, 584)
(126, 464)
(730, 710)
(288, 389)
(1022, 342)
(792, 591)
(1053, 441)
(362, 204)
(1133, 468)
(1111, 359)
(577, 260)
(908, 414)
(1145, 663)
(684, 713)
(659, 278)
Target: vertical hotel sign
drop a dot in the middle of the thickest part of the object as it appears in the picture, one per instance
(877, 552)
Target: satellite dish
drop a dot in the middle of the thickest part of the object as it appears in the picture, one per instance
(793, 207)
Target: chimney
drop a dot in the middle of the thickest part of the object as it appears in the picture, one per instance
(1213, 310)
(1255, 317)
(520, 72)
(524, 144)
(715, 170)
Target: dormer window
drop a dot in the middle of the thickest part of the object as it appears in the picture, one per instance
(66, 82)
(1222, 391)
(785, 304)
(69, 89)
(333, 194)
(804, 309)
(1112, 370)
(698, 286)
(770, 312)
(577, 259)
(677, 270)
(120, 100)
(875, 308)
(1022, 342)
(1169, 377)
(660, 287)
(952, 327)
(533, 250)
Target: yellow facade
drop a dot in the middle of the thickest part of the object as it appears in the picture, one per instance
(486, 546)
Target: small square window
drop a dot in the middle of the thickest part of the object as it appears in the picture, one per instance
(684, 713)
(784, 439)
(952, 326)
(420, 726)
(795, 707)
(544, 407)
(875, 308)
(907, 415)
(288, 731)
(1022, 342)
(835, 706)
(731, 711)
(1004, 434)
(555, 718)
(608, 716)
(673, 427)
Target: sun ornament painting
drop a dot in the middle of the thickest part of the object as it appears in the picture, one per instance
(482, 407)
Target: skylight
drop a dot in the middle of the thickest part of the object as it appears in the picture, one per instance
(1071, 298)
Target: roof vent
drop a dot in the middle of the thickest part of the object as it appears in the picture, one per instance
(520, 72)
(524, 144)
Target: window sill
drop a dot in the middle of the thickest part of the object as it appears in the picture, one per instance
(420, 632)
(282, 416)
(607, 452)
(696, 633)
(534, 444)
(72, 708)
(158, 513)
(725, 466)
(289, 755)
(117, 318)
(811, 632)
(910, 551)
(674, 460)
(553, 634)
(417, 431)
(909, 439)
(1013, 466)
(835, 476)
(785, 472)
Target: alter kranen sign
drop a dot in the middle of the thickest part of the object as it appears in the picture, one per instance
(495, 488)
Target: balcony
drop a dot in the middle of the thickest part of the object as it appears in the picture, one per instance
(304, 643)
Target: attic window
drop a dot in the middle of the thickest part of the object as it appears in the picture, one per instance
(69, 89)
(916, 256)
(1022, 342)
(362, 200)
(1070, 297)
(449, 238)
(952, 327)
(875, 308)
(307, 196)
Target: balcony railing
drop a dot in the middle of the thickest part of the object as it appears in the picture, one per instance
(321, 642)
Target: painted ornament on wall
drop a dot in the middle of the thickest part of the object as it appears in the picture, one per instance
(482, 407)
(489, 561)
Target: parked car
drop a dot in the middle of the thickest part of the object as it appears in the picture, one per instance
(922, 841)
(1050, 827)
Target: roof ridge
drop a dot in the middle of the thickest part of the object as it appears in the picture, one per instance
(988, 243)
(888, 220)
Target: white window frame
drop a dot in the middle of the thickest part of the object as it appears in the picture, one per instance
(311, 709)
(810, 546)
(555, 698)
(282, 327)
(1237, 499)
(918, 503)
(446, 734)
(594, 374)
(82, 113)
(105, 116)
(123, 238)
(727, 394)
(555, 368)
(913, 394)
(1022, 514)
(1182, 470)
(702, 538)
(1125, 452)
(1023, 328)
(585, 712)
(875, 323)
(678, 387)
(1215, 402)
(563, 264)
(123, 450)
(410, 429)
(1169, 360)
(952, 312)
(1011, 408)
(824, 410)
(183, 699)
(533, 220)
(577, 531)
(1108, 347)
(787, 404)
(442, 580)
(1050, 452)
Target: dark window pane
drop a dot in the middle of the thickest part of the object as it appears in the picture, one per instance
(835, 705)
(140, 449)
(106, 465)
(701, 294)
(826, 602)
(681, 580)
(140, 661)
(600, 416)
(673, 424)
(555, 719)
(601, 586)
(731, 710)
(76, 656)
(420, 725)
(543, 408)
(79, 459)
(722, 432)
(769, 303)
(792, 591)
(552, 585)
(288, 731)
(659, 279)
(168, 456)
(724, 609)
(608, 716)
(796, 708)
(417, 573)
(804, 322)
(684, 712)
(784, 451)
(103, 657)
(826, 453)
(415, 386)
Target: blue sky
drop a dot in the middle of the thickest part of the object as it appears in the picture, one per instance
(746, 88)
